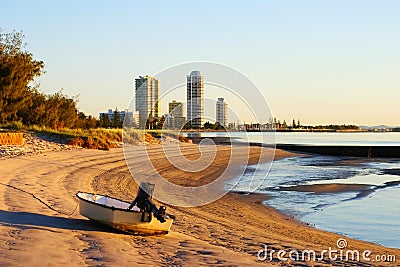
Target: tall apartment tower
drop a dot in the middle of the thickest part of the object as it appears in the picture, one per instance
(222, 112)
(195, 99)
(175, 109)
(147, 92)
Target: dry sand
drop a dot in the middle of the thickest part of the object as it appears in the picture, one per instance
(227, 232)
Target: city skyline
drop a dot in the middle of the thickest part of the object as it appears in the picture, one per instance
(325, 62)
(148, 103)
(176, 108)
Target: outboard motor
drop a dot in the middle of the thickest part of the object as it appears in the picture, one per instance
(144, 203)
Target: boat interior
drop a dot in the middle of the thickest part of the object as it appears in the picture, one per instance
(107, 201)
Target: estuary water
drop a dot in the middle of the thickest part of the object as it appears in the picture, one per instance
(311, 138)
(369, 210)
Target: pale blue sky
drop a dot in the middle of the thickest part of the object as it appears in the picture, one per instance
(320, 61)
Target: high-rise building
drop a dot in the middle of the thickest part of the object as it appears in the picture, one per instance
(175, 109)
(175, 118)
(222, 112)
(195, 99)
(147, 93)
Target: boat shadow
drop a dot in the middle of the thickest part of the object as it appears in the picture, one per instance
(29, 220)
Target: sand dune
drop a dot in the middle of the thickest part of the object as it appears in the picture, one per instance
(229, 231)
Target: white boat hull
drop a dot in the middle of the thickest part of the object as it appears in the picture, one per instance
(115, 213)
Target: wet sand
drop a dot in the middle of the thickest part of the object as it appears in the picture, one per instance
(329, 188)
(229, 231)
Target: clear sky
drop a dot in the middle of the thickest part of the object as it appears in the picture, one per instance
(320, 61)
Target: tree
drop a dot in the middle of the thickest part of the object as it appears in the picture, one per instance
(90, 122)
(284, 124)
(18, 70)
(116, 122)
(187, 126)
(218, 126)
(35, 113)
(208, 125)
(61, 111)
(104, 121)
(160, 122)
(80, 122)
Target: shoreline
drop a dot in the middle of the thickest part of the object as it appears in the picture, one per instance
(331, 195)
(229, 231)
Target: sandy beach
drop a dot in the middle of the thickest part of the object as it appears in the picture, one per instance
(227, 232)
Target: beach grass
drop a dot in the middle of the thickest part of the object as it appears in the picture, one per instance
(96, 138)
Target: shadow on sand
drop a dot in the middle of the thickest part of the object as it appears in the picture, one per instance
(28, 220)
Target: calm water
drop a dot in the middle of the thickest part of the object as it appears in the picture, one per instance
(373, 216)
(364, 138)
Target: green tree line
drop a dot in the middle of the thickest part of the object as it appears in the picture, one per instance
(20, 98)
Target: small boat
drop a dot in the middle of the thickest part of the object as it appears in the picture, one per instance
(139, 217)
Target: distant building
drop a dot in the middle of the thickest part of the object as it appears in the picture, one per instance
(121, 117)
(147, 93)
(195, 99)
(179, 122)
(175, 109)
(168, 121)
(175, 118)
(222, 112)
(232, 126)
(136, 119)
(174, 122)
